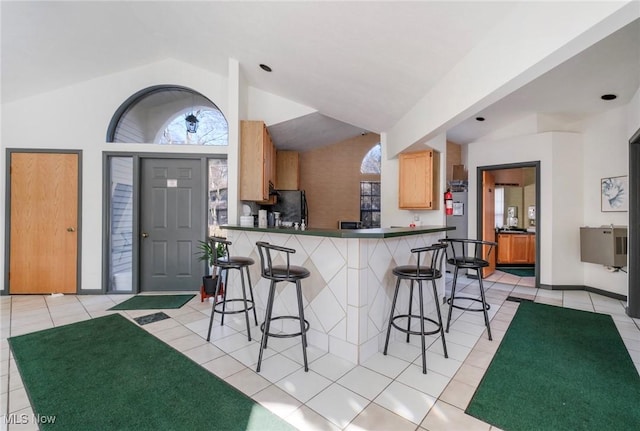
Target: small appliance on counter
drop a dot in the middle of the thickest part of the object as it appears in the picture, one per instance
(262, 218)
(291, 205)
(349, 224)
(512, 216)
(246, 219)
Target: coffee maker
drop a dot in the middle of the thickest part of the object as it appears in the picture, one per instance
(512, 216)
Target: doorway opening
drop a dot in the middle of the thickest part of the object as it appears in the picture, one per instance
(509, 214)
(157, 208)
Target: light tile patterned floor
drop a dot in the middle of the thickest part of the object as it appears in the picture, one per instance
(385, 393)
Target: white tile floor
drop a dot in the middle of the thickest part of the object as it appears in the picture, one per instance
(385, 393)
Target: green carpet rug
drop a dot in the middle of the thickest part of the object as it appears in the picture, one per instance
(559, 369)
(519, 271)
(153, 302)
(109, 374)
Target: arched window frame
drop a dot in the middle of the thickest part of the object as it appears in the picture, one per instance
(374, 152)
(139, 96)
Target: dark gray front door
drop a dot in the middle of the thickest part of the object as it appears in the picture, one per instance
(172, 221)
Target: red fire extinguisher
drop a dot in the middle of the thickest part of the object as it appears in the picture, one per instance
(448, 202)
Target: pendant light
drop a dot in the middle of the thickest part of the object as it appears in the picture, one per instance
(191, 122)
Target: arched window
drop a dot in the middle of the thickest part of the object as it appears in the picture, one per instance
(158, 115)
(371, 161)
(212, 129)
(370, 189)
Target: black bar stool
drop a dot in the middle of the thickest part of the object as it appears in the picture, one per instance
(419, 273)
(227, 263)
(469, 254)
(279, 273)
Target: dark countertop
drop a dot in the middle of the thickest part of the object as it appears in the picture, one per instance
(515, 232)
(348, 233)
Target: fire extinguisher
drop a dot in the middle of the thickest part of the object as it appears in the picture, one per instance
(448, 202)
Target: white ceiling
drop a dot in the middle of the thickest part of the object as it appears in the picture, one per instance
(364, 64)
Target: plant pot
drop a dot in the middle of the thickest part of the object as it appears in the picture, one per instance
(209, 283)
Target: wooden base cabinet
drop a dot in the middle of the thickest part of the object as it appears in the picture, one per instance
(419, 180)
(257, 163)
(516, 248)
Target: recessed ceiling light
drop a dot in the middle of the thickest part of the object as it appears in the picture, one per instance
(608, 97)
(265, 68)
(479, 118)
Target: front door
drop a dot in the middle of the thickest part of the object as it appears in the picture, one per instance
(172, 221)
(43, 250)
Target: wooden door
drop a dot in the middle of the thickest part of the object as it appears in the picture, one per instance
(44, 223)
(172, 214)
(488, 218)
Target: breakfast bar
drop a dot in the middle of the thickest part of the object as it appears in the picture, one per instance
(347, 298)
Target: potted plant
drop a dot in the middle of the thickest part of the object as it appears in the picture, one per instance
(207, 254)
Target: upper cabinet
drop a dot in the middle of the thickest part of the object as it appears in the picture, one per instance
(257, 163)
(287, 170)
(419, 180)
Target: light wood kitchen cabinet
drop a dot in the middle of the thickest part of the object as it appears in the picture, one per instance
(504, 248)
(287, 170)
(257, 163)
(516, 248)
(531, 249)
(419, 180)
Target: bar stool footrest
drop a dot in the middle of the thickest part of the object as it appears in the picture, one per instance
(286, 335)
(242, 310)
(415, 316)
(488, 307)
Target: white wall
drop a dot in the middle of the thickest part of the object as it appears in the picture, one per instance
(559, 221)
(273, 109)
(606, 154)
(77, 117)
(572, 165)
(633, 114)
(391, 215)
(533, 39)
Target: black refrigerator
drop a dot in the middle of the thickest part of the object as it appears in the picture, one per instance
(292, 206)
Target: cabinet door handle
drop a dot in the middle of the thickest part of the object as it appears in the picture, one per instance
(145, 235)
(71, 229)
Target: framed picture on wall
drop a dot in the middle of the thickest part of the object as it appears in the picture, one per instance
(614, 194)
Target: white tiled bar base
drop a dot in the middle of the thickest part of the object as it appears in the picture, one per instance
(347, 298)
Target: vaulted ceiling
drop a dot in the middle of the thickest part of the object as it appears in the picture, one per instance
(364, 64)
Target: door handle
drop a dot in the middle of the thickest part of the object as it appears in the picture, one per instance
(71, 229)
(145, 235)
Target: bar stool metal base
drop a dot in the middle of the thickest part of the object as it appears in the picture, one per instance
(421, 317)
(419, 273)
(286, 335)
(415, 316)
(266, 326)
(484, 308)
(249, 304)
(277, 274)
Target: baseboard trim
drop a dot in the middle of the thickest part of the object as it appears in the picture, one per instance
(585, 288)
